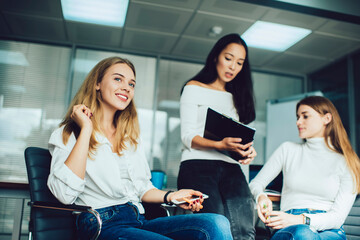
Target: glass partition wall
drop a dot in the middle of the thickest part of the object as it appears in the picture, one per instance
(33, 81)
(33, 98)
(167, 143)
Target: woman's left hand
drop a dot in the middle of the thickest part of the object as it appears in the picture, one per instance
(251, 154)
(279, 220)
(194, 205)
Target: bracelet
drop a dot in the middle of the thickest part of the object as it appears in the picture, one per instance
(306, 220)
(165, 198)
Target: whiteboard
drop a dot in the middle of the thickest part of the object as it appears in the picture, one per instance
(281, 121)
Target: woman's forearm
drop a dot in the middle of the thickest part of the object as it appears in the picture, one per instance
(203, 143)
(155, 195)
(76, 161)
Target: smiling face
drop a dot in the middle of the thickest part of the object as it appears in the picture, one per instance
(310, 123)
(117, 87)
(230, 62)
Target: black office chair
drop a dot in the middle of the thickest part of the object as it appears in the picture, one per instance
(49, 219)
(352, 222)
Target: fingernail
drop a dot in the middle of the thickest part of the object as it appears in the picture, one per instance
(201, 196)
(197, 200)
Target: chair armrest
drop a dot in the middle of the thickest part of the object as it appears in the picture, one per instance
(166, 208)
(59, 206)
(72, 208)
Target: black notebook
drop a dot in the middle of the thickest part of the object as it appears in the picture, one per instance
(219, 126)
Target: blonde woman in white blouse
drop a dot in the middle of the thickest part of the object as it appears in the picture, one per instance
(98, 160)
(321, 177)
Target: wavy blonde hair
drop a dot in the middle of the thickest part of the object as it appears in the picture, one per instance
(336, 133)
(125, 121)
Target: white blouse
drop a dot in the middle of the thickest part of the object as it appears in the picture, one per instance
(314, 177)
(109, 179)
(194, 102)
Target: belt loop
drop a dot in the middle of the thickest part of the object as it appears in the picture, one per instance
(134, 208)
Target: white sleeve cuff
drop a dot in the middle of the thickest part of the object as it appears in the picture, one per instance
(188, 140)
(148, 188)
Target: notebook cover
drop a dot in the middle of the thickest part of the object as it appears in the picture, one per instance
(218, 126)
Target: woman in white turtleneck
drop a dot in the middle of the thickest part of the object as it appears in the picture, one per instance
(321, 177)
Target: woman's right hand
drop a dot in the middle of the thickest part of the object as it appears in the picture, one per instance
(234, 144)
(264, 207)
(192, 206)
(82, 116)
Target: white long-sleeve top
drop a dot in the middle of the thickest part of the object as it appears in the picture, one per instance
(313, 177)
(194, 102)
(109, 179)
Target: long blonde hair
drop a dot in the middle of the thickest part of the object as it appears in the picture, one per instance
(335, 132)
(125, 121)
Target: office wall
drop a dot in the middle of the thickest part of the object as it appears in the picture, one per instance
(267, 87)
(333, 82)
(339, 82)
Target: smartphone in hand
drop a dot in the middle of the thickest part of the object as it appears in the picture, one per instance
(188, 199)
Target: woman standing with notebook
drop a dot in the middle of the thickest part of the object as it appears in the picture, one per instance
(225, 85)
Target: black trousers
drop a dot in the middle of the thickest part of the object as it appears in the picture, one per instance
(228, 191)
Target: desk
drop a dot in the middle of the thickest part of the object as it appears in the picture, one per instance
(19, 192)
(275, 198)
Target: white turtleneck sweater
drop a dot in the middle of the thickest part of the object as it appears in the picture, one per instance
(314, 177)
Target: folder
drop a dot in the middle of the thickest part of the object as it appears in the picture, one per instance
(219, 126)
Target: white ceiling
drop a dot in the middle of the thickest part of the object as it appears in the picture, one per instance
(180, 29)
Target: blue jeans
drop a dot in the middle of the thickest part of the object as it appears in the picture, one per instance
(125, 222)
(302, 231)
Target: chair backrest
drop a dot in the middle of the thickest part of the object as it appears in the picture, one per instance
(352, 222)
(275, 184)
(45, 223)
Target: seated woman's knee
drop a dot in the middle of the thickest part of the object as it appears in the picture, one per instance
(217, 220)
(295, 232)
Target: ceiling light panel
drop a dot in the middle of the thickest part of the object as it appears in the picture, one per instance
(109, 13)
(273, 36)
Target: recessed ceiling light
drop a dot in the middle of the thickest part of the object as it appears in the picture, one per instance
(109, 13)
(273, 36)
